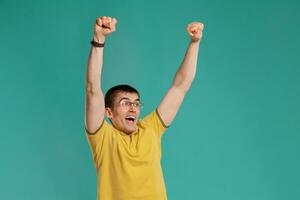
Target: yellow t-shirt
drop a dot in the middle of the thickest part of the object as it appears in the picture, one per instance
(128, 166)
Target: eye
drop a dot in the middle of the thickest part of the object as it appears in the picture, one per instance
(124, 103)
(127, 103)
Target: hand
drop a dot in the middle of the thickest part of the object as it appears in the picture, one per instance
(195, 31)
(103, 27)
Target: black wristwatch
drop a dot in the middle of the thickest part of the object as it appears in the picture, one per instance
(97, 44)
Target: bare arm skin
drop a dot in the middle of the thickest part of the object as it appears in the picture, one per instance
(94, 107)
(184, 77)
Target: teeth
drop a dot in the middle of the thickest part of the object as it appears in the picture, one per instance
(132, 117)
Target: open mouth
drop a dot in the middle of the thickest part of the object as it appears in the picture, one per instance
(130, 119)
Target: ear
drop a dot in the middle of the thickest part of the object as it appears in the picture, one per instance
(108, 112)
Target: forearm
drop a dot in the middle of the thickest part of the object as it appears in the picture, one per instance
(187, 70)
(94, 68)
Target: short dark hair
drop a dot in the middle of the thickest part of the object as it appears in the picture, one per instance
(112, 93)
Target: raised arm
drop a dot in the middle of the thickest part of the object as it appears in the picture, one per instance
(94, 107)
(184, 76)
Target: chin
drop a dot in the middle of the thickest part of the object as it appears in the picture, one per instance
(130, 130)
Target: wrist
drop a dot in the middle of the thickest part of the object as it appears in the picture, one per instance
(195, 41)
(97, 44)
(100, 39)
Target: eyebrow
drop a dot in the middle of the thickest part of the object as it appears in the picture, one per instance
(126, 98)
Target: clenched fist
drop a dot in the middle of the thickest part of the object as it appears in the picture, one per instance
(103, 27)
(195, 31)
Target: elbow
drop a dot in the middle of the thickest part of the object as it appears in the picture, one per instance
(183, 85)
(184, 81)
(91, 88)
(186, 87)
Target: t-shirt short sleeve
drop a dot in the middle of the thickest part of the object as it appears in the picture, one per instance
(97, 139)
(154, 121)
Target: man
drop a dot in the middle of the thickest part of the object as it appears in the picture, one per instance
(127, 152)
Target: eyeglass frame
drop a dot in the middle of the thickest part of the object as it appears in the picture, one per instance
(129, 103)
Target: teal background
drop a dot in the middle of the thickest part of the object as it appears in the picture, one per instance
(236, 135)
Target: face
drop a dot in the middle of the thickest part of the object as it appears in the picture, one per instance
(125, 112)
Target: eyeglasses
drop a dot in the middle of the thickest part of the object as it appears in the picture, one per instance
(126, 104)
